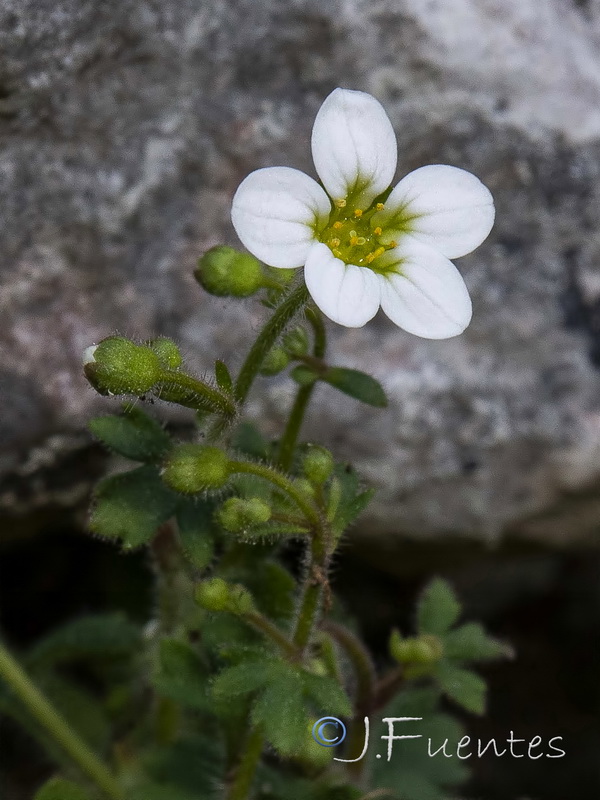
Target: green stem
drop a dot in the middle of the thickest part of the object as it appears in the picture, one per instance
(313, 589)
(240, 787)
(288, 441)
(51, 720)
(272, 632)
(177, 387)
(266, 339)
(279, 480)
(365, 685)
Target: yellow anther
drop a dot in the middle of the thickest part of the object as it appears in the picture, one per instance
(340, 203)
(334, 242)
(336, 253)
(358, 212)
(337, 225)
(353, 241)
(379, 206)
(380, 251)
(377, 231)
(392, 244)
(361, 240)
(369, 258)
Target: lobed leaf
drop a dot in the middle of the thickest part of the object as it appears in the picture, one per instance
(438, 608)
(131, 506)
(133, 434)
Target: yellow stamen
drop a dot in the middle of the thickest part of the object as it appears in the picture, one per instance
(353, 241)
(334, 242)
(379, 206)
(380, 251)
(361, 240)
(377, 231)
(337, 225)
(370, 258)
(358, 212)
(340, 203)
(337, 253)
(392, 244)
(353, 233)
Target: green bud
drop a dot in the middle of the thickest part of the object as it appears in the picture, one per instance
(236, 514)
(167, 351)
(193, 468)
(424, 650)
(119, 366)
(318, 464)
(305, 486)
(275, 361)
(295, 342)
(215, 594)
(225, 272)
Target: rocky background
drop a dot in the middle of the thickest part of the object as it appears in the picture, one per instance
(125, 128)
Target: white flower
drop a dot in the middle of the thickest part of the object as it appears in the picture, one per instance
(88, 354)
(360, 253)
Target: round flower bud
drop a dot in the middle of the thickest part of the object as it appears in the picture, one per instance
(119, 366)
(167, 351)
(318, 464)
(296, 342)
(275, 361)
(225, 272)
(426, 649)
(193, 468)
(236, 514)
(213, 594)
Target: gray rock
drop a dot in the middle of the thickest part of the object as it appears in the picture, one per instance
(125, 129)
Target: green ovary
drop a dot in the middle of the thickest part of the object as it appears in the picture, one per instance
(354, 236)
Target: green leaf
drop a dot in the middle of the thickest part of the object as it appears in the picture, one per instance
(182, 675)
(280, 710)
(356, 384)
(61, 789)
(223, 377)
(134, 435)
(273, 589)
(467, 689)
(131, 506)
(196, 531)
(250, 441)
(327, 694)
(192, 765)
(470, 642)
(244, 678)
(411, 772)
(438, 608)
(98, 636)
(352, 499)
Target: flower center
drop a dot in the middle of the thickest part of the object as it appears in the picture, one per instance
(353, 236)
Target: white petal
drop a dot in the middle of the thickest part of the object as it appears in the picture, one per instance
(354, 146)
(454, 210)
(427, 295)
(276, 211)
(88, 354)
(347, 294)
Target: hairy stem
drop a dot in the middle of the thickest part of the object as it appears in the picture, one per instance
(365, 685)
(279, 480)
(239, 789)
(49, 718)
(185, 390)
(266, 339)
(288, 441)
(272, 632)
